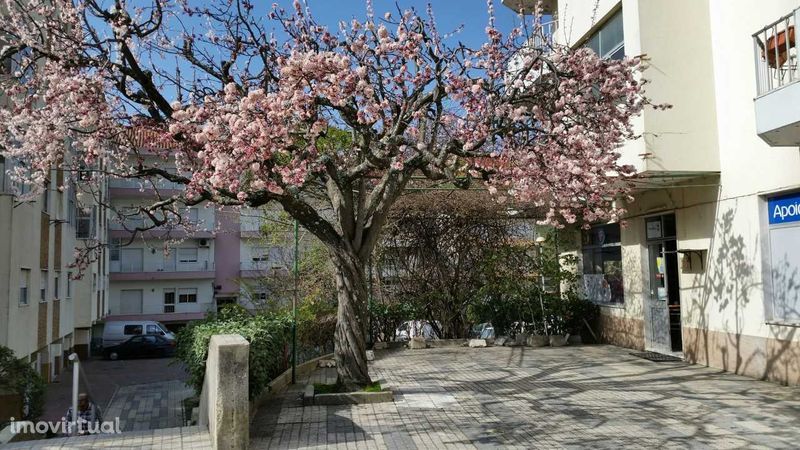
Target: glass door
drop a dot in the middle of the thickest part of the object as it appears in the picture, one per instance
(662, 305)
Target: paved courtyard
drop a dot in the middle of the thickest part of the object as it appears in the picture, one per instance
(107, 381)
(571, 397)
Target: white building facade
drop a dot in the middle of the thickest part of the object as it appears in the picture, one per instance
(708, 265)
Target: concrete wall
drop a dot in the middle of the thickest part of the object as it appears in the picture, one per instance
(224, 401)
(675, 37)
(702, 62)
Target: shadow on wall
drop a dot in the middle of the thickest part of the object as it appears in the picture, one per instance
(731, 282)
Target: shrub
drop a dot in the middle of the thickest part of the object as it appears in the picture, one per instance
(18, 377)
(268, 335)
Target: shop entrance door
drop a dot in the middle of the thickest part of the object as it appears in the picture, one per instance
(662, 305)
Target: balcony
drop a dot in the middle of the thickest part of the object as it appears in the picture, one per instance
(120, 188)
(526, 6)
(256, 269)
(778, 81)
(164, 270)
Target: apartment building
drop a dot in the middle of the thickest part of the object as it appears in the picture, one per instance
(708, 266)
(47, 308)
(182, 271)
(45, 313)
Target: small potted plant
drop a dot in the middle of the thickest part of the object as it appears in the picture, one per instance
(537, 338)
(557, 323)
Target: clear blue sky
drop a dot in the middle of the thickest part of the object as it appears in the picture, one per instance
(450, 14)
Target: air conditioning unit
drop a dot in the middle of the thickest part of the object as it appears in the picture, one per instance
(202, 243)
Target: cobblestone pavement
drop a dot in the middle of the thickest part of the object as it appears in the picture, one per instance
(167, 438)
(102, 378)
(569, 397)
(149, 406)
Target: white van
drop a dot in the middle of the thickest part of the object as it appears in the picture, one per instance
(118, 332)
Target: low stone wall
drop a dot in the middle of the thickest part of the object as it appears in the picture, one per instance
(282, 381)
(620, 331)
(224, 404)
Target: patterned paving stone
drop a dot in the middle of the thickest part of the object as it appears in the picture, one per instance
(572, 397)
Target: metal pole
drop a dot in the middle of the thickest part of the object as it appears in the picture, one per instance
(294, 300)
(75, 386)
(540, 247)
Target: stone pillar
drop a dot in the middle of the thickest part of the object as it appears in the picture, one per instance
(224, 402)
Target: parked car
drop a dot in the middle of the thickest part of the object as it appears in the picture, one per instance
(142, 346)
(117, 332)
(413, 328)
(482, 331)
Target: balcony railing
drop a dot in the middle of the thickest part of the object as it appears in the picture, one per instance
(261, 265)
(198, 266)
(775, 50)
(133, 183)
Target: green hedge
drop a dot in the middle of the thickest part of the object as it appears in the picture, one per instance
(17, 376)
(267, 333)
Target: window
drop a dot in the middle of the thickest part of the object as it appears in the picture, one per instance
(154, 329)
(55, 286)
(131, 260)
(169, 300)
(193, 217)
(602, 264)
(43, 286)
(609, 41)
(71, 212)
(187, 295)
(18, 65)
(113, 249)
(46, 198)
(2, 173)
(276, 256)
(84, 228)
(187, 255)
(260, 254)
(69, 284)
(24, 282)
(132, 329)
(782, 279)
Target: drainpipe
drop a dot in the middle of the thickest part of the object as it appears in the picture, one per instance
(75, 374)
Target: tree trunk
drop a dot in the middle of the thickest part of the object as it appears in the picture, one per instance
(350, 337)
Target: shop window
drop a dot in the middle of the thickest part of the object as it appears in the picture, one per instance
(784, 259)
(602, 264)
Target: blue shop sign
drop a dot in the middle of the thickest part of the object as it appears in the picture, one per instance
(784, 209)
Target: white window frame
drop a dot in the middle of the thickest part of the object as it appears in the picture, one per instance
(188, 255)
(187, 295)
(599, 35)
(174, 293)
(766, 261)
(125, 266)
(25, 287)
(193, 216)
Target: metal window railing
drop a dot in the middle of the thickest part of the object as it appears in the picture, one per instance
(775, 51)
